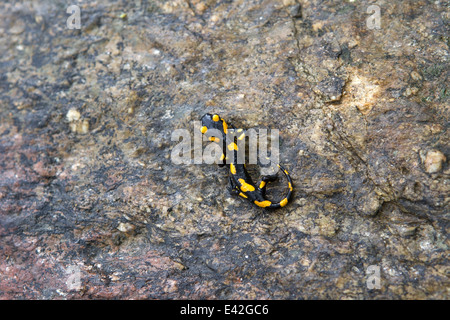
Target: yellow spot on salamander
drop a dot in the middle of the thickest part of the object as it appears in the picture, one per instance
(283, 202)
(242, 136)
(285, 171)
(243, 195)
(225, 127)
(290, 186)
(203, 129)
(214, 139)
(263, 204)
(216, 118)
(246, 186)
(222, 157)
(232, 168)
(262, 184)
(232, 146)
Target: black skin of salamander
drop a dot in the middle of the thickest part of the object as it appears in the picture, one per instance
(257, 196)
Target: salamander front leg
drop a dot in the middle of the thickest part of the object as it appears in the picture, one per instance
(232, 187)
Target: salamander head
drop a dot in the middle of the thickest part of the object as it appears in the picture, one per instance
(213, 121)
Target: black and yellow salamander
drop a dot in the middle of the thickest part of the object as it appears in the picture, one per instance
(241, 183)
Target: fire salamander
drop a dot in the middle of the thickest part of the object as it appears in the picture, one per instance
(240, 181)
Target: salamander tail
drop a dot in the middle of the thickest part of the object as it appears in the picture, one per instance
(288, 196)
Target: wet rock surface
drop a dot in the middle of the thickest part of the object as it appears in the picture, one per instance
(86, 177)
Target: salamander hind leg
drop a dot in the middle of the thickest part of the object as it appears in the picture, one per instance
(270, 178)
(263, 183)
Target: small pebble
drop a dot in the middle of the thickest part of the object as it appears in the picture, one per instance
(84, 127)
(200, 7)
(433, 161)
(125, 227)
(416, 76)
(411, 91)
(73, 115)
